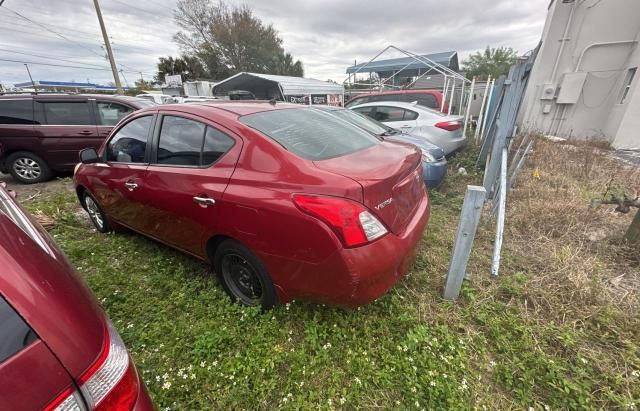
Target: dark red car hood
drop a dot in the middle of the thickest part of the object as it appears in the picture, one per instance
(45, 290)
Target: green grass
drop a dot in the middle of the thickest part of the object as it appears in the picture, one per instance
(408, 350)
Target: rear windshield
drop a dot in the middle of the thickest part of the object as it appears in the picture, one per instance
(310, 134)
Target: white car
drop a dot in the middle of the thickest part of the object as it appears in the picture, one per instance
(440, 129)
(157, 98)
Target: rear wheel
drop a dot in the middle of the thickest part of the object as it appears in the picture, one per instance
(243, 275)
(98, 218)
(28, 168)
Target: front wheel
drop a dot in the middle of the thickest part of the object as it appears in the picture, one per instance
(97, 216)
(243, 275)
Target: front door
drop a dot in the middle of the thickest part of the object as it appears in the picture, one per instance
(190, 167)
(66, 127)
(120, 187)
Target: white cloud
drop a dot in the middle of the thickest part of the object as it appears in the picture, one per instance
(326, 35)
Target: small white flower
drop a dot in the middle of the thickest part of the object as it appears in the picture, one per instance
(635, 373)
(130, 325)
(414, 389)
(357, 380)
(203, 363)
(432, 383)
(492, 363)
(417, 404)
(330, 402)
(342, 400)
(166, 385)
(584, 361)
(165, 376)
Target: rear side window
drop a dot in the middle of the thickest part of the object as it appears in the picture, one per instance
(16, 112)
(389, 113)
(180, 141)
(15, 334)
(67, 113)
(129, 144)
(185, 142)
(110, 113)
(309, 133)
(216, 143)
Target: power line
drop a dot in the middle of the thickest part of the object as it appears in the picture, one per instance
(66, 65)
(48, 57)
(142, 10)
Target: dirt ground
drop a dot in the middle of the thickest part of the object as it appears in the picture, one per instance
(27, 192)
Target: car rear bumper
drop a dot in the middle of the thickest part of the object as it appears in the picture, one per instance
(434, 173)
(353, 277)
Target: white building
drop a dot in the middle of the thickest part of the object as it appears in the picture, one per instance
(584, 82)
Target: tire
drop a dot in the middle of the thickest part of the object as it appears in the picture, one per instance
(96, 215)
(28, 168)
(242, 273)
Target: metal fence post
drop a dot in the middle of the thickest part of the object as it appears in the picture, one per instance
(502, 203)
(469, 218)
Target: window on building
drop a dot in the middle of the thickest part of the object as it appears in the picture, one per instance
(626, 87)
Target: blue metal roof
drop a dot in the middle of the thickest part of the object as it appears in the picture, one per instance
(447, 58)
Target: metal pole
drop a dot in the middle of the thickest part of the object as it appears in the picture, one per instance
(35, 89)
(497, 247)
(486, 115)
(469, 218)
(514, 173)
(461, 98)
(481, 115)
(453, 89)
(1, 1)
(466, 116)
(444, 92)
(112, 61)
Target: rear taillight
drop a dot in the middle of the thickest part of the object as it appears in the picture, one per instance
(111, 383)
(449, 125)
(350, 221)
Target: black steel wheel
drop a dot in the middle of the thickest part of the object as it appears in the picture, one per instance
(243, 276)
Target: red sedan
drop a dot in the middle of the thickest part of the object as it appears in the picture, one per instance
(286, 201)
(58, 350)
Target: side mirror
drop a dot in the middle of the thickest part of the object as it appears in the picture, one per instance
(89, 156)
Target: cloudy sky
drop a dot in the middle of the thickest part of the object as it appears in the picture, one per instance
(327, 35)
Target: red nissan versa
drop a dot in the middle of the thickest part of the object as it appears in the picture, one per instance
(286, 201)
(58, 350)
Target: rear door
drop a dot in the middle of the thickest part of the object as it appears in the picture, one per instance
(396, 117)
(120, 189)
(65, 127)
(192, 162)
(30, 375)
(108, 114)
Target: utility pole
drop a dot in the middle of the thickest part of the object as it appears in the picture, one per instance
(35, 89)
(114, 69)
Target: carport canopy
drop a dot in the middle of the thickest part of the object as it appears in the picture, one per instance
(268, 86)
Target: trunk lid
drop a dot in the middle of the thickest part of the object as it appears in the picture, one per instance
(390, 174)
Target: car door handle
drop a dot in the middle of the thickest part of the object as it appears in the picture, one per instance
(85, 132)
(204, 201)
(131, 185)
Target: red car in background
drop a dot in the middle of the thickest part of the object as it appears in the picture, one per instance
(428, 98)
(286, 201)
(58, 350)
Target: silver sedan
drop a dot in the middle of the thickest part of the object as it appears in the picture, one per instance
(440, 129)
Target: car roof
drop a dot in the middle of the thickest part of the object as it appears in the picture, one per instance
(400, 104)
(406, 91)
(244, 107)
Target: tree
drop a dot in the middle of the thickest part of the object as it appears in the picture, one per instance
(189, 67)
(492, 62)
(625, 204)
(228, 40)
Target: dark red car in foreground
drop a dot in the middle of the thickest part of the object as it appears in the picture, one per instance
(286, 201)
(58, 350)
